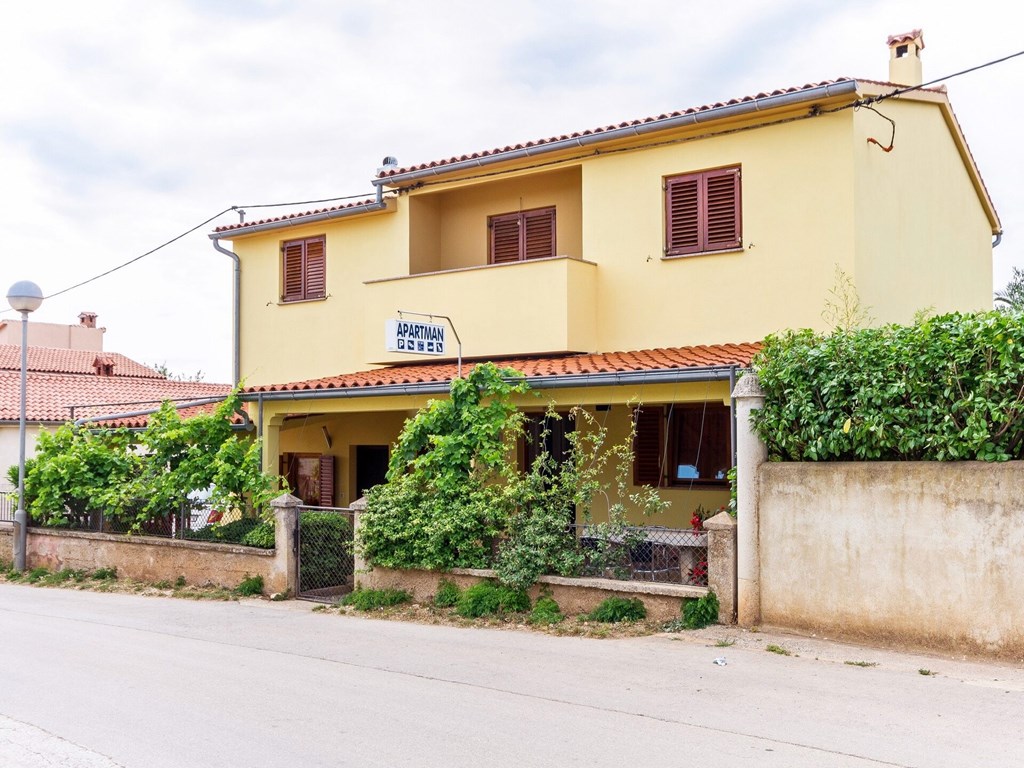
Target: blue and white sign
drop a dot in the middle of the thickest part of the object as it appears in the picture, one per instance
(414, 338)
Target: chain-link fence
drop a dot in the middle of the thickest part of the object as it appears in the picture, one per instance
(325, 553)
(644, 553)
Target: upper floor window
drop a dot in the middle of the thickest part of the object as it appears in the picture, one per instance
(521, 236)
(304, 269)
(702, 212)
(682, 445)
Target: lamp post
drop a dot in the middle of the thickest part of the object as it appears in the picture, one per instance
(24, 297)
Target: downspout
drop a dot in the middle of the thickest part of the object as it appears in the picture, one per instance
(236, 314)
(998, 240)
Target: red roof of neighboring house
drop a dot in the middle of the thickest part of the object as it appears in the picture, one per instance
(49, 396)
(81, 361)
(538, 368)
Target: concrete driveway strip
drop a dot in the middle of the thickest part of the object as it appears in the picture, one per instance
(153, 682)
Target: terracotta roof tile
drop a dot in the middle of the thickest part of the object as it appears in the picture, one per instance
(537, 368)
(79, 361)
(49, 396)
(604, 129)
(291, 216)
(905, 37)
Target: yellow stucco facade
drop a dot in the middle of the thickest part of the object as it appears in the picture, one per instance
(910, 227)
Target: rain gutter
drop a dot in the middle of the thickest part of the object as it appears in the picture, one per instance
(611, 379)
(765, 103)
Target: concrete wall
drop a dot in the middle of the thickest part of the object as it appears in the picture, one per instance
(920, 553)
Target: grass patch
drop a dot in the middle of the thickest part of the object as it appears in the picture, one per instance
(726, 642)
(861, 663)
(546, 612)
(36, 575)
(448, 594)
(104, 574)
(926, 672)
(372, 599)
(489, 599)
(250, 586)
(773, 648)
(613, 610)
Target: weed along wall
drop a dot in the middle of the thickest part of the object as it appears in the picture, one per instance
(927, 553)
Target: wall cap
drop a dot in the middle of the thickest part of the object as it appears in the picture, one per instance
(748, 387)
(721, 522)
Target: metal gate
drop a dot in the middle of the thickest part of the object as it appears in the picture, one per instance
(324, 558)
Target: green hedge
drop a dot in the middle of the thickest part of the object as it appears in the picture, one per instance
(946, 388)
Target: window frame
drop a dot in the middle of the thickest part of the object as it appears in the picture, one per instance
(703, 212)
(522, 235)
(304, 269)
(659, 443)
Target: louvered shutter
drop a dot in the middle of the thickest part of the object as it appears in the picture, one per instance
(326, 480)
(648, 445)
(292, 271)
(315, 269)
(538, 234)
(505, 238)
(682, 202)
(722, 228)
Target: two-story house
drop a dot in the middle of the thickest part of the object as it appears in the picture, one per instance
(635, 263)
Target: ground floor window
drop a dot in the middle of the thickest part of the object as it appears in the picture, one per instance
(682, 445)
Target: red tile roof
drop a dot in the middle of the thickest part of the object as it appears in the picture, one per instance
(80, 361)
(536, 369)
(905, 37)
(290, 216)
(604, 129)
(49, 396)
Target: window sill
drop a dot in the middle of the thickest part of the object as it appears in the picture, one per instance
(283, 303)
(741, 249)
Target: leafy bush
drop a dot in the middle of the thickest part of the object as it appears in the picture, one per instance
(701, 612)
(448, 593)
(946, 388)
(262, 535)
(250, 585)
(371, 599)
(36, 574)
(488, 598)
(104, 574)
(613, 610)
(250, 531)
(325, 546)
(546, 611)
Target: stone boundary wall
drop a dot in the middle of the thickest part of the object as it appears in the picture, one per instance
(150, 558)
(6, 542)
(662, 601)
(925, 554)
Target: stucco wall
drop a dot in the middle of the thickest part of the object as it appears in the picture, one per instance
(152, 559)
(923, 553)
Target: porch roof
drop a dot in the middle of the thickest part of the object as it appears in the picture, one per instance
(539, 371)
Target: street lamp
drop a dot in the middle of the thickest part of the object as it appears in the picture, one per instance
(24, 297)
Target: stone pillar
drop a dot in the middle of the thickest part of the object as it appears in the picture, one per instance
(285, 571)
(358, 508)
(751, 453)
(722, 564)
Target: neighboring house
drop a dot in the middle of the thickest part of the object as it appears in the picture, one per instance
(69, 377)
(633, 263)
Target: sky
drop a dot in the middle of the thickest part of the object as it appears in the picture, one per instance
(124, 125)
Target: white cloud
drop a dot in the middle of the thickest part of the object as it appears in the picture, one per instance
(126, 124)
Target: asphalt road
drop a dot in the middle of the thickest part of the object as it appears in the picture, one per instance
(102, 680)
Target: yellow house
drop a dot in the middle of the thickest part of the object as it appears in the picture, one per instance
(632, 263)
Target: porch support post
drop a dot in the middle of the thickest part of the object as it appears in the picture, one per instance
(751, 453)
(358, 507)
(284, 573)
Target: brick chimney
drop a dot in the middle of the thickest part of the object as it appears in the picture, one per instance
(905, 58)
(103, 365)
(87, 319)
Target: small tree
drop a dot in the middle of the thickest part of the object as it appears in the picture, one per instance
(1012, 296)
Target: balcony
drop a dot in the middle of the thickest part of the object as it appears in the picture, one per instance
(529, 307)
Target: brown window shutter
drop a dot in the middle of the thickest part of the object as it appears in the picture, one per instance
(683, 215)
(292, 271)
(539, 234)
(648, 445)
(504, 238)
(326, 480)
(723, 209)
(316, 269)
